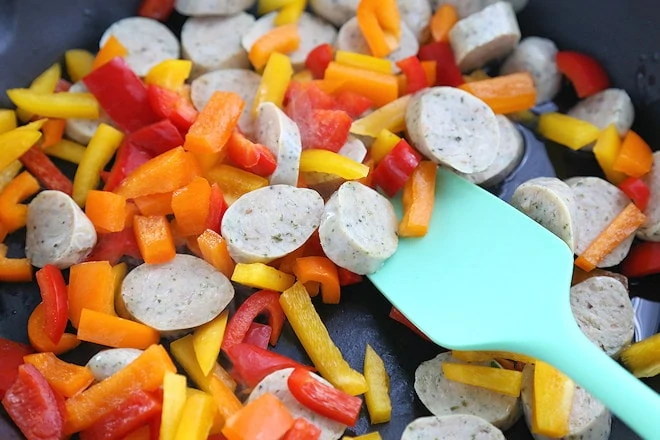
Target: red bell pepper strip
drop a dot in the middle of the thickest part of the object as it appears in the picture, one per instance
(353, 103)
(346, 277)
(396, 167)
(398, 316)
(584, 72)
(318, 59)
(169, 104)
(41, 167)
(54, 297)
(122, 95)
(11, 357)
(33, 405)
(135, 410)
(157, 138)
(637, 191)
(127, 159)
(258, 335)
(217, 208)
(302, 430)
(302, 98)
(642, 260)
(323, 399)
(157, 9)
(111, 247)
(415, 74)
(247, 155)
(251, 363)
(447, 72)
(261, 302)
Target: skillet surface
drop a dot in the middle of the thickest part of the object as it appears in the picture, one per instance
(624, 35)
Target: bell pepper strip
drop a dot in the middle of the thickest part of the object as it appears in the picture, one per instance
(45, 83)
(318, 59)
(121, 94)
(40, 166)
(261, 302)
(324, 161)
(143, 432)
(169, 104)
(56, 105)
(40, 341)
(113, 246)
(396, 168)
(159, 10)
(507, 382)
(314, 337)
(383, 144)
(396, 315)
(642, 260)
(14, 143)
(66, 150)
(54, 298)
(641, 358)
(282, 39)
(375, 435)
(442, 21)
(13, 269)
(377, 397)
(53, 130)
(606, 150)
(352, 103)
(215, 123)
(128, 158)
(363, 61)
(302, 430)
(78, 63)
(583, 71)
(324, 399)
(380, 88)
(13, 214)
(290, 13)
(183, 351)
(91, 286)
(113, 331)
(33, 405)
(196, 416)
(8, 120)
(119, 272)
(207, 340)
(621, 227)
(380, 25)
(321, 270)
(217, 208)
(106, 211)
(170, 74)
(415, 75)
(566, 130)
(174, 398)
(190, 205)
(418, 200)
(98, 153)
(215, 252)
(112, 48)
(447, 72)
(347, 278)
(306, 75)
(505, 93)
(477, 75)
(234, 182)
(274, 81)
(155, 204)
(258, 335)
(635, 157)
(552, 401)
(11, 357)
(65, 378)
(261, 276)
(637, 191)
(265, 418)
(249, 156)
(266, 6)
(154, 238)
(390, 117)
(157, 138)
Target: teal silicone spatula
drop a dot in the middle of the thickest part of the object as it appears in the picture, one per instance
(486, 277)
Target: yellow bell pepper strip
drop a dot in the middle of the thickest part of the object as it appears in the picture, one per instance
(265, 418)
(67, 150)
(274, 81)
(7, 120)
(8, 173)
(111, 48)
(391, 117)
(383, 144)
(266, 6)
(43, 84)
(321, 270)
(377, 396)
(174, 398)
(622, 226)
(215, 123)
(324, 161)
(487, 356)
(503, 381)
(56, 105)
(207, 340)
(14, 143)
(98, 153)
(302, 76)
(370, 436)
(78, 63)
(362, 61)
(14, 269)
(380, 24)
(290, 13)
(314, 337)
(170, 74)
(196, 416)
(283, 39)
(261, 276)
(635, 157)
(505, 93)
(643, 358)
(13, 214)
(380, 88)
(606, 151)
(234, 182)
(552, 401)
(566, 130)
(418, 199)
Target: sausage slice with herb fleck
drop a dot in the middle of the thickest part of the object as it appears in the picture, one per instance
(281, 136)
(105, 363)
(202, 8)
(451, 427)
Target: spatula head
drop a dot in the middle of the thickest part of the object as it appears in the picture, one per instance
(484, 277)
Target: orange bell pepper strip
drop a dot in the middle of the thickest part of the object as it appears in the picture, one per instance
(111, 48)
(418, 199)
(40, 341)
(442, 21)
(282, 39)
(321, 270)
(13, 214)
(155, 204)
(106, 210)
(635, 157)
(506, 93)
(114, 331)
(91, 286)
(144, 373)
(190, 205)
(380, 24)
(154, 238)
(65, 378)
(380, 88)
(13, 269)
(214, 251)
(215, 123)
(52, 130)
(234, 182)
(623, 225)
(265, 418)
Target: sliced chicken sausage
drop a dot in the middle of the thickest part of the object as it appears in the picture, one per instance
(451, 427)
(82, 130)
(201, 8)
(650, 230)
(105, 363)
(611, 106)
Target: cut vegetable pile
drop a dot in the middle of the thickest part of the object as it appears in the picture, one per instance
(228, 183)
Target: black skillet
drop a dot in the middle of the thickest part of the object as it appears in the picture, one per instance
(623, 34)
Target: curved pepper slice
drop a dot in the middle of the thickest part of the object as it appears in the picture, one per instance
(54, 297)
(380, 24)
(263, 301)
